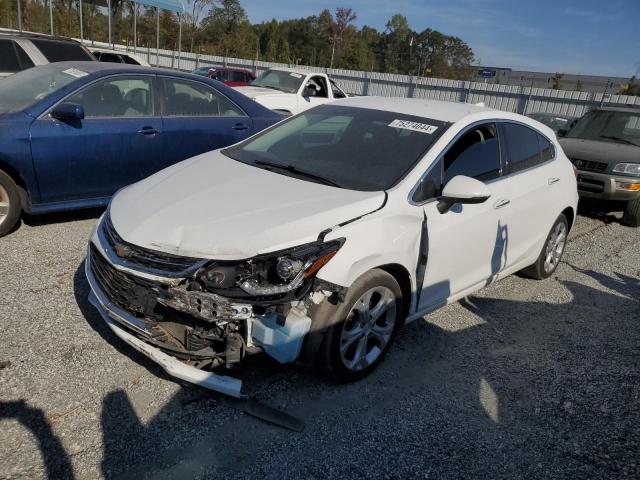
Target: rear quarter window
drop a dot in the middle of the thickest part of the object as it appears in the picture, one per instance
(56, 51)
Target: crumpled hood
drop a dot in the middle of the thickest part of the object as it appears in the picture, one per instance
(211, 206)
(600, 151)
(253, 92)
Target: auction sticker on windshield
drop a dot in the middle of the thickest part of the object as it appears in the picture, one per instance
(296, 75)
(74, 72)
(415, 126)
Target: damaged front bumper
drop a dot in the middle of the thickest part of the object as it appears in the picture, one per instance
(220, 383)
(235, 327)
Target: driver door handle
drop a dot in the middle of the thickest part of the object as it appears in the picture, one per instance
(148, 131)
(553, 180)
(240, 127)
(503, 202)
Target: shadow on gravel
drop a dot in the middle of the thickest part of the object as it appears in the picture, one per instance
(62, 217)
(56, 461)
(607, 211)
(535, 389)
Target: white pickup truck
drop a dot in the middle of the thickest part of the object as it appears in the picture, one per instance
(292, 91)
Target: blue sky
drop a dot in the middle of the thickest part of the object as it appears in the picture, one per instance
(599, 37)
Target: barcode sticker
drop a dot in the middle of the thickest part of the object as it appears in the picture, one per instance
(415, 126)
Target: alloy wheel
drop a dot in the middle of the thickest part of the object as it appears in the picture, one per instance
(555, 247)
(4, 204)
(368, 328)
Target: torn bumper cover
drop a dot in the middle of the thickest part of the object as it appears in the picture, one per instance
(164, 307)
(220, 383)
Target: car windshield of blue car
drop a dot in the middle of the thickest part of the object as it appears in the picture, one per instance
(354, 148)
(23, 89)
(284, 81)
(608, 126)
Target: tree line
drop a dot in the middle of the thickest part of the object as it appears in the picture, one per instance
(221, 27)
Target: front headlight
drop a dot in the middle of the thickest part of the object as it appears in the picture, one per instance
(628, 168)
(271, 274)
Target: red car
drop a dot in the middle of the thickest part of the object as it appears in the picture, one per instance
(234, 77)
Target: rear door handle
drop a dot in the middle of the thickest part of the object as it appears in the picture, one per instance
(503, 202)
(240, 127)
(553, 180)
(148, 131)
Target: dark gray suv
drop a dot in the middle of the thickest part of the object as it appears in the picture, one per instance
(604, 146)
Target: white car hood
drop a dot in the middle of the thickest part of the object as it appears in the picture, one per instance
(211, 206)
(254, 92)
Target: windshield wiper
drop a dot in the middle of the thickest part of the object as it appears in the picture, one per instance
(297, 171)
(618, 139)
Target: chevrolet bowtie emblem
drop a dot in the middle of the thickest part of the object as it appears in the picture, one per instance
(122, 250)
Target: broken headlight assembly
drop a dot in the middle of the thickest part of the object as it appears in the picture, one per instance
(271, 275)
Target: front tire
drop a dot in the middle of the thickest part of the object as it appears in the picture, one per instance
(631, 216)
(552, 251)
(10, 208)
(367, 323)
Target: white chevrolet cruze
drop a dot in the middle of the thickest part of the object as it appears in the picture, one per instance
(316, 239)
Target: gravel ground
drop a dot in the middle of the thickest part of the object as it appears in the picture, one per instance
(526, 379)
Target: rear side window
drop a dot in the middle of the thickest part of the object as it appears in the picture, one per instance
(476, 154)
(110, 57)
(525, 147)
(25, 61)
(238, 77)
(61, 51)
(183, 98)
(8, 57)
(127, 59)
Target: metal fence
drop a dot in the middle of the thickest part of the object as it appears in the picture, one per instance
(512, 98)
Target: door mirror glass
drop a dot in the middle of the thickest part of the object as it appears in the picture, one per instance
(68, 111)
(463, 189)
(562, 132)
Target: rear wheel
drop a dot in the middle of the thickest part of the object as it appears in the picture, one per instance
(9, 204)
(368, 320)
(552, 251)
(631, 215)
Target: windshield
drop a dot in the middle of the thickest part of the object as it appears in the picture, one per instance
(609, 126)
(25, 88)
(354, 148)
(288, 82)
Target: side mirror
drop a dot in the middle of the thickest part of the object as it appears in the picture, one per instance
(68, 111)
(462, 189)
(562, 132)
(309, 91)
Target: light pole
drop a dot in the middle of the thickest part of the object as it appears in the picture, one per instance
(19, 15)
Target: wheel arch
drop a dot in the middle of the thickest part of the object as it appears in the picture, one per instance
(403, 278)
(570, 215)
(18, 180)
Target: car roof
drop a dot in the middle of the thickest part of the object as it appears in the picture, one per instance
(624, 109)
(28, 35)
(232, 69)
(301, 71)
(95, 67)
(434, 109)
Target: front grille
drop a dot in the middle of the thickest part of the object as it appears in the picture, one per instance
(590, 184)
(589, 165)
(130, 293)
(147, 258)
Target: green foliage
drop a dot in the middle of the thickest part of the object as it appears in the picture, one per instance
(221, 27)
(631, 88)
(556, 81)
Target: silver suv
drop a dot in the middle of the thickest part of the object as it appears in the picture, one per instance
(19, 51)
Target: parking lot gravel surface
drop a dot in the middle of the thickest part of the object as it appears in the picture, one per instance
(526, 379)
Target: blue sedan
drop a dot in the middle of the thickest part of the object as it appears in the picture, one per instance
(72, 134)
